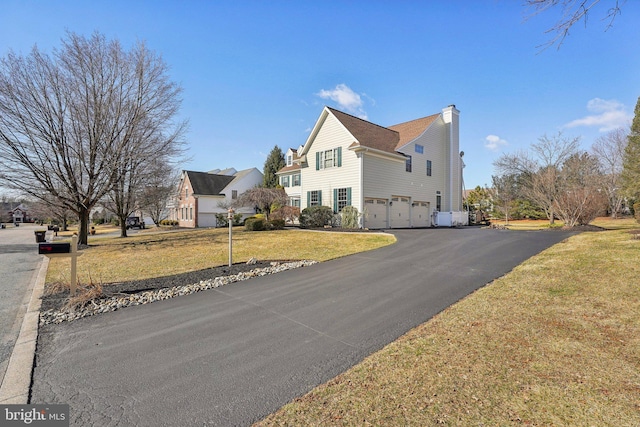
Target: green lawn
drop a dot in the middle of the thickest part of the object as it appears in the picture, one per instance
(556, 342)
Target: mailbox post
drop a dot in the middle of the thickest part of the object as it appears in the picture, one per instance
(230, 221)
(64, 250)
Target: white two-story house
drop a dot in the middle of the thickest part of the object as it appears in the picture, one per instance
(202, 195)
(398, 176)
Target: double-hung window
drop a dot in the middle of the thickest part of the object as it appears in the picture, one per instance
(329, 158)
(428, 167)
(296, 180)
(341, 198)
(284, 180)
(408, 164)
(314, 198)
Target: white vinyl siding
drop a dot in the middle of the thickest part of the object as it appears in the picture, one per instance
(384, 178)
(332, 136)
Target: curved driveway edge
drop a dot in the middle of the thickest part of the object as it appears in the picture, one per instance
(232, 355)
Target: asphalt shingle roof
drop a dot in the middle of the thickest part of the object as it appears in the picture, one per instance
(368, 134)
(208, 184)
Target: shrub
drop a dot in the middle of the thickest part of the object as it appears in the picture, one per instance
(255, 224)
(350, 217)
(276, 224)
(221, 220)
(287, 213)
(316, 216)
(237, 219)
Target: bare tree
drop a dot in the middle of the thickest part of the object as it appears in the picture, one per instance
(504, 193)
(581, 198)
(159, 189)
(572, 12)
(539, 169)
(68, 122)
(262, 198)
(48, 208)
(609, 150)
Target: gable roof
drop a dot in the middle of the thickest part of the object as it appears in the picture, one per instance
(409, 131)
(389, 139)
(368, 134)
(208, 184)
(294, 166)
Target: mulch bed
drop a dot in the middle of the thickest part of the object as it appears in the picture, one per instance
(58, 300)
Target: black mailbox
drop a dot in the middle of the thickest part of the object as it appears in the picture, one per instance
(54, 248)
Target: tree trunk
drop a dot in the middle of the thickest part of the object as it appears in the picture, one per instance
(83, 231)
(123, 226)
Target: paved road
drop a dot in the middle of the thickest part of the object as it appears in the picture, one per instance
(231, 356)
(19, 264)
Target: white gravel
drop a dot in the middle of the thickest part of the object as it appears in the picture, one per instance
(114, 303)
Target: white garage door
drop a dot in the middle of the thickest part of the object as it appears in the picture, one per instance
(206, 220)
(400, 212)
(420, 214)
(375, 213)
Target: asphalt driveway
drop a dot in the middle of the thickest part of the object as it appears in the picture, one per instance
(19, 265)
(232, 355)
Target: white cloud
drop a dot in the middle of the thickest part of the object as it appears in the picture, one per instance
(608, 115)
(494, 142)
(346, 99)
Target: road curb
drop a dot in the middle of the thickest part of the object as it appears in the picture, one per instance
(17, 380)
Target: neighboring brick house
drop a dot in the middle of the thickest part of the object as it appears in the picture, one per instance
(398, 176)
(14, 212)
(202, 195)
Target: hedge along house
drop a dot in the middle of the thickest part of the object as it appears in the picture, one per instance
(398, 177)
(202, 195)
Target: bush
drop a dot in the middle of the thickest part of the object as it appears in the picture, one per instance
(276, 224)
(636, 211)
(349, 217)
(169, 222)
(287, 213)
(316, 216)
(237, 219)
(221, 220)
(254, 224)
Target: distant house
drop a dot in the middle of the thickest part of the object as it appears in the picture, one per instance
(397, 176)
(14, 212)
(290, 177)
(202, 195)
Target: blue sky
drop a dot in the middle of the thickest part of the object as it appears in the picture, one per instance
(257, 73)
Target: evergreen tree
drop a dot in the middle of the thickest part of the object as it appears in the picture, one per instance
(275, 162)
(631, 163)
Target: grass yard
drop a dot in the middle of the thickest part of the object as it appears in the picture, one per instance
(556, 342)
(149, 254)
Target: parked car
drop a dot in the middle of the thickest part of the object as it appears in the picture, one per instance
(134, 222)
